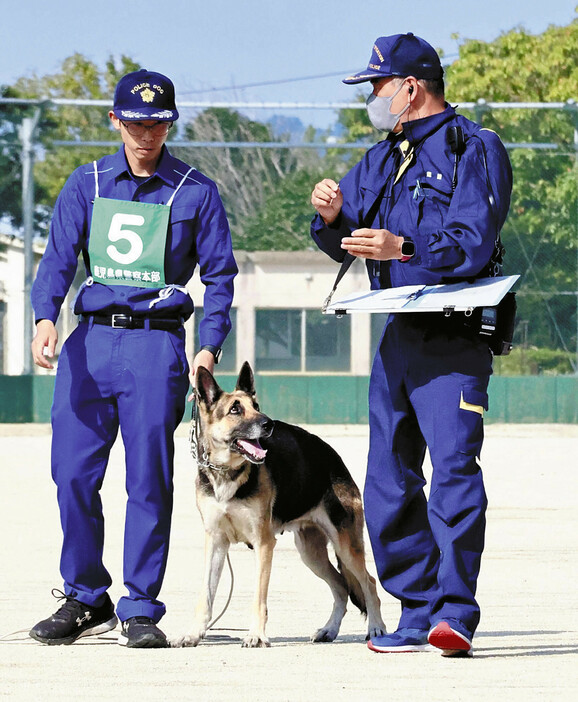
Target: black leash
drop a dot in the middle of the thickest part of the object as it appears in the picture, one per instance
(366, 223)
(345, 265)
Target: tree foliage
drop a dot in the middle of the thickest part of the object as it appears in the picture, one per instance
(259, 185)
(282, 222)
(78, 78)
(10, 161)
(541, 232)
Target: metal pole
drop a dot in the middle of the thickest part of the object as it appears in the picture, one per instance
(27, 134)
(576, 175)
(573, 107)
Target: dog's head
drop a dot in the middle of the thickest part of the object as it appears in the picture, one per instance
(231, 422)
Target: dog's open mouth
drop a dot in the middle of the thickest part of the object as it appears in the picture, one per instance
(251, 449)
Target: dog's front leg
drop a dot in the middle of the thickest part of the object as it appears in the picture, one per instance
(264, 558)
(216, 549)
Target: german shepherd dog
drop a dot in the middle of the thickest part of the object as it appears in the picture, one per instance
(258, 477)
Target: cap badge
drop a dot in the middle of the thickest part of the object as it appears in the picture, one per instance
(147, 95)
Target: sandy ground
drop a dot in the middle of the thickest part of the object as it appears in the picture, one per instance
(526, 647)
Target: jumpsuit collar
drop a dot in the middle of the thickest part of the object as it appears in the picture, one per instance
(165, 167)
(417, 130)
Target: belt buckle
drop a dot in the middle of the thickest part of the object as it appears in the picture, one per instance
(120, 321)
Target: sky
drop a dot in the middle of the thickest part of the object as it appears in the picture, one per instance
(252, 50)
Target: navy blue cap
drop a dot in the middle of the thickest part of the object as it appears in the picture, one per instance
(144, 95)
(400, 55)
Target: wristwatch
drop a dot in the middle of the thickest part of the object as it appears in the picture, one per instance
(215, 350)
(407, 250)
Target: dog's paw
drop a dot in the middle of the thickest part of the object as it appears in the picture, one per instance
(184, 641)
(376, 631)
(324, 635)
(255, 641)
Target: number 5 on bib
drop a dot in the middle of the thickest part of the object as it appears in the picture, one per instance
(127, 242)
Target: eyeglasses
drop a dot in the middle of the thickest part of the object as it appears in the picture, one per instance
(138, 129)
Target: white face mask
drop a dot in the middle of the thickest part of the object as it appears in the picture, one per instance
(379, 111)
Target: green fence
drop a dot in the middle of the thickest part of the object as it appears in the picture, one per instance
(332, 399)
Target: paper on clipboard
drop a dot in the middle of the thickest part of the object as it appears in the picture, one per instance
(459, 297)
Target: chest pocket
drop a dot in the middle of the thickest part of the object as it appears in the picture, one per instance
(431, 197)
(182, 231)
(180, 214)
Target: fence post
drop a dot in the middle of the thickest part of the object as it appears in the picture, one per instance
(27, 134)
(573, 108)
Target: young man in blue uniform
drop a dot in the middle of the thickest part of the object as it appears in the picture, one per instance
(424, 206)
(142, 221)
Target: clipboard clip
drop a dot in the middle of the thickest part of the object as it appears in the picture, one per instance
(338, 313)
(345, 264)
(414, 295)
(327, 302)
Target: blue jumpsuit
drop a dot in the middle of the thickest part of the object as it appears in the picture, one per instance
(428, 385)
(133, 379)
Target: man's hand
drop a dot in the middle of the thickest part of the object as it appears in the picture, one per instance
(375, 244)
(203, 358)
(43, 345)
(327, 199)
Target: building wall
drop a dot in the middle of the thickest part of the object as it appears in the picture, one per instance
(290, 281)
(266, 281)
(12, 297)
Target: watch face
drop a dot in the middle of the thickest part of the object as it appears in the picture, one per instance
(407, 248)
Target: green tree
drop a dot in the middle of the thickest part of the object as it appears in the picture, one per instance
(78, 78)
(282, 222)
(253, 182)
(10, 161)
(540, 234)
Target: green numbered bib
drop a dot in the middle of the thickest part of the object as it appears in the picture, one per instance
(127, 243)
(128, 240)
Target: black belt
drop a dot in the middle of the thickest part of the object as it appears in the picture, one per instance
(125, 321)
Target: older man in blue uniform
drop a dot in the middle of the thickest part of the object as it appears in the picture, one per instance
(424, 206)
(142, 220)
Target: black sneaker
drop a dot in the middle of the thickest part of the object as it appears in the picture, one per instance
(141, 632)
(73, 620)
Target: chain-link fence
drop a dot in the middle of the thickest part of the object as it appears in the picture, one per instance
(540, 235)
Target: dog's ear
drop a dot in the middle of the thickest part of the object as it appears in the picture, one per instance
(208, 391)
(246, 381)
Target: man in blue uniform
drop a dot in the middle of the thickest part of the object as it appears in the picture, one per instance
(142, 221)
(424, 206)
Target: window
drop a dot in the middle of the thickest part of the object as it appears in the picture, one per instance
(278, 340)
(377, 324)
(302, 341)
(228, 362)
(328, 342)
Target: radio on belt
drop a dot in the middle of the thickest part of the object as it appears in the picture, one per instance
(488, 321)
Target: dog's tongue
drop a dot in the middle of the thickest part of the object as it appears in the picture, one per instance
(253, 448)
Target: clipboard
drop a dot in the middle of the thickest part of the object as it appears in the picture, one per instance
(447, 298)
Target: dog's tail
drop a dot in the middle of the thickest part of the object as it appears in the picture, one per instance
(355, 592)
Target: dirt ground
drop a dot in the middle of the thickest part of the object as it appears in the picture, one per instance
(526, 647)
